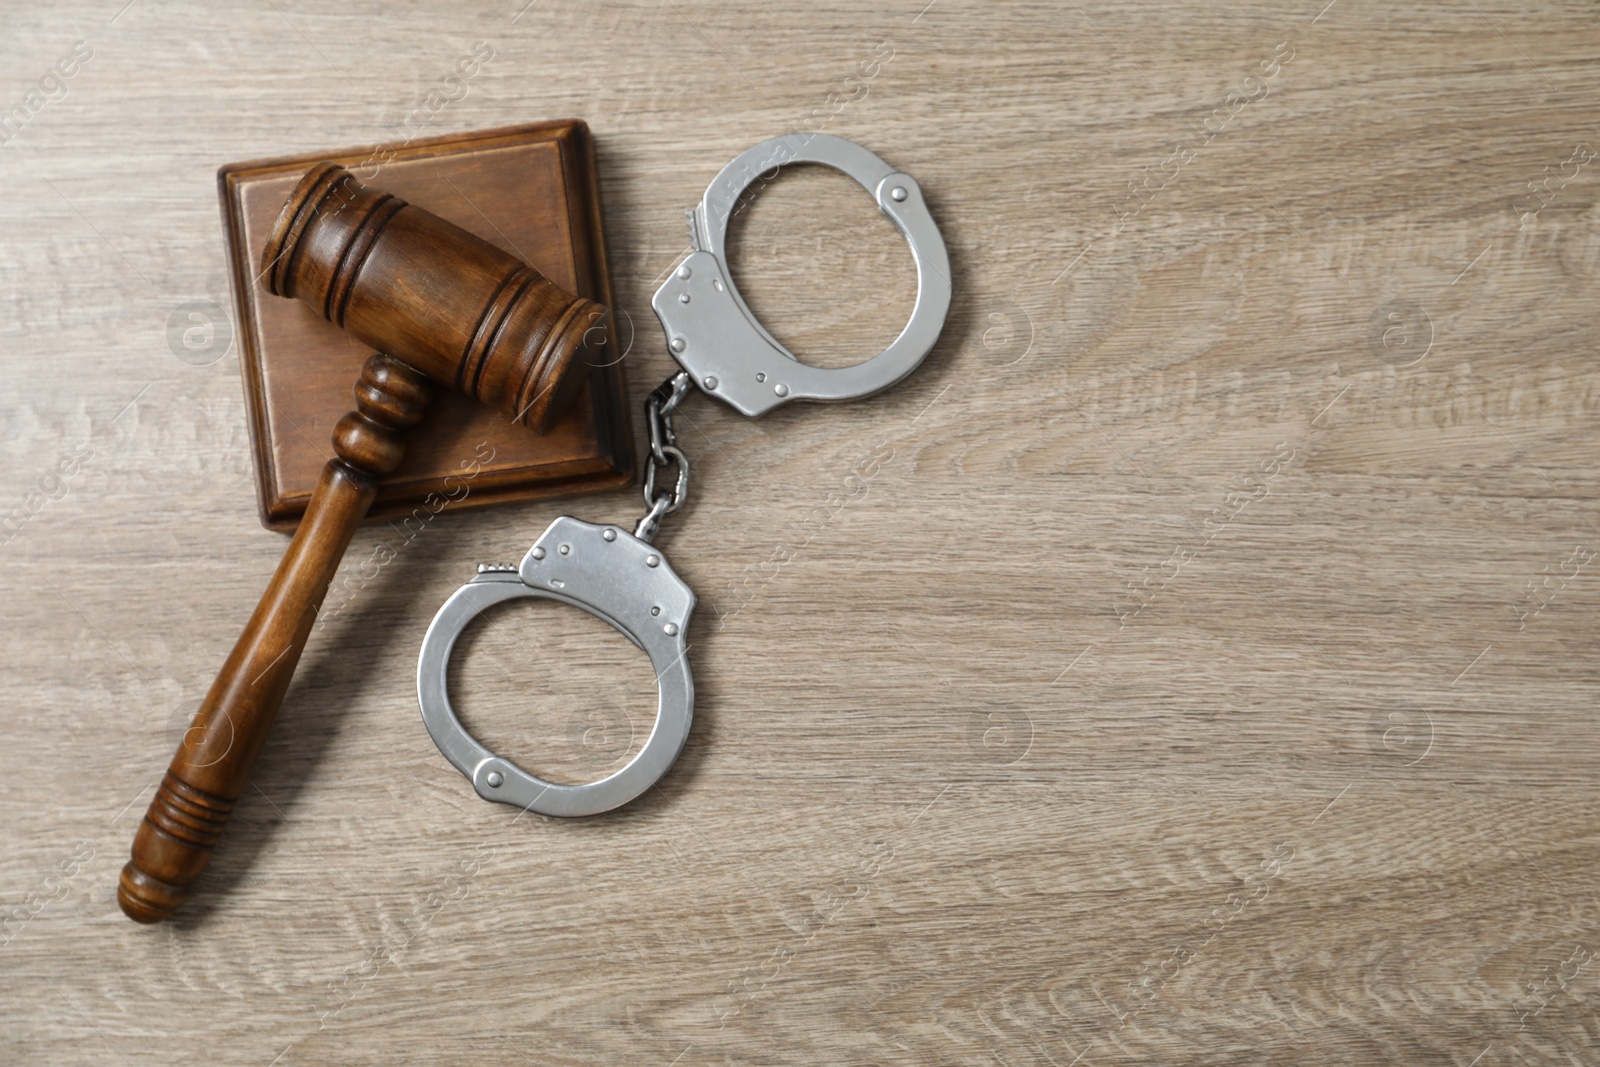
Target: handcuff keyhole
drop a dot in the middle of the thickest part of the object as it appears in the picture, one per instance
(820, 267)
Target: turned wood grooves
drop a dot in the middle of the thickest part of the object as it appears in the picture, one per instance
(429, 293)
(212, 766)
(439, 304)
(491, 325)
(533, 191)
(355, 256)
(188, 814)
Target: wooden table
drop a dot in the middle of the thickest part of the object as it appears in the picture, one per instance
(1204, 673)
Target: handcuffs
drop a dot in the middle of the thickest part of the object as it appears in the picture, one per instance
(620, 577)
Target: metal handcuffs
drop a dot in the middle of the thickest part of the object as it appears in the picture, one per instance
(621, 577)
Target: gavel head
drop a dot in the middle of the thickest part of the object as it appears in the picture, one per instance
(427, 292)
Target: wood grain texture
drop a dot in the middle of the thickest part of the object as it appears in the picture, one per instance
(1193, 683)
(211, 768)
(530, 187)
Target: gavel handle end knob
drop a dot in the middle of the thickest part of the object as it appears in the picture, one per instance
(212, 766)
(144, 898)
(172, 847)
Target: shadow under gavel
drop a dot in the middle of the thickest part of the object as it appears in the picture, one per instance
(441, 306)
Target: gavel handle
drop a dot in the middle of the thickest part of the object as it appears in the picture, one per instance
(212, 766)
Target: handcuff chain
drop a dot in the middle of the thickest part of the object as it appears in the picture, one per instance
(664, 451)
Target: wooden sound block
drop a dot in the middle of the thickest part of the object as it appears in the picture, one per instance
(531, 190)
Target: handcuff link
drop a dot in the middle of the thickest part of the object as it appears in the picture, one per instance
(622, 578)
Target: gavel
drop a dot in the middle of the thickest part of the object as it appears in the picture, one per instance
(440, 306)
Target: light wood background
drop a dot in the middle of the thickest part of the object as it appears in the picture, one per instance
(1322, 790)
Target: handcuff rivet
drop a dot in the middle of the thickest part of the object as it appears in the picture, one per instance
(728, 341)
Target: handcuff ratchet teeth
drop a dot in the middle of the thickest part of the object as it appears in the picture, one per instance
(617, 578)
(622, 578)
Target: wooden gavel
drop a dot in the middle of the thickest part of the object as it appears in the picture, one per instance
(437, 303)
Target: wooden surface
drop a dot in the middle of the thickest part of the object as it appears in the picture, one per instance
(531, 192)
(1192, 683)
(211, 768)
